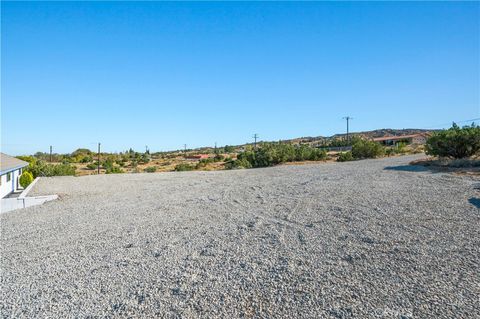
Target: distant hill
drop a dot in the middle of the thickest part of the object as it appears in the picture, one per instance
(385, 132)
(316, 140)
(366, 134)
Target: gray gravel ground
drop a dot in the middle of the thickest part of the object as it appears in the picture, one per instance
(365, 239)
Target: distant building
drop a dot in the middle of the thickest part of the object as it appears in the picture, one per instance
(416, 139)
(10, 170)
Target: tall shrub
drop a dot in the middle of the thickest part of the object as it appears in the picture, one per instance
(25, 179)
(455, 142)
(367, 149)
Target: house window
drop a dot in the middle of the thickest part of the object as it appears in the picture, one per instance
(9, 177)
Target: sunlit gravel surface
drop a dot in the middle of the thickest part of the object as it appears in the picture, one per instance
(366, 239)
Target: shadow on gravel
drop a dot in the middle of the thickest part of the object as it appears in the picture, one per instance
(408, 168)
(475, 202)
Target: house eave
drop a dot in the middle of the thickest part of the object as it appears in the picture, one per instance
(11, 169)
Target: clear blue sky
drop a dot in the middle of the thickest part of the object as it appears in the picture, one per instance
(165, 74)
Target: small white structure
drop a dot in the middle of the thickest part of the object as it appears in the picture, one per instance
(10, 170)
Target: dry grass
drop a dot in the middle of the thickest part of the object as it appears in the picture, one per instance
(162, 165)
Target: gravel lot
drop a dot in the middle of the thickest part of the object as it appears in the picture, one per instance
(373, 238)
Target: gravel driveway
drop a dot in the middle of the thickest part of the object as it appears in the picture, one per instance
(373, 238)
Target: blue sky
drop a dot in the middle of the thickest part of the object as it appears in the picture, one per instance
(165, 74)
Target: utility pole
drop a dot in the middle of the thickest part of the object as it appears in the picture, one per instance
(348, 118)
(50, 153)
(255, 136)
(185, 148)
(98, 166)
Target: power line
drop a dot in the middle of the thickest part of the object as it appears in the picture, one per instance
(457, 122)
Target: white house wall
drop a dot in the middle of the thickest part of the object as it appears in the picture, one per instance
(10, 186)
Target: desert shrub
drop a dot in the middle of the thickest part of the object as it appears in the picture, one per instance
(41, 168)
(239, 163)
(25, 179)
(92, 165)
(113, 170)
(269, 154)
(61, 170)
(367, 149)
(455, 142)
(204, 162)
(67, 160)
(228, 149)
(150, 169)
(144, 158)
(86, 159)
(308, 153)
(81, 151)
(184, 167)
(390, 151)
(401, 148)
(345, 157)
(107, 164)
(340, 142)
(218, 158)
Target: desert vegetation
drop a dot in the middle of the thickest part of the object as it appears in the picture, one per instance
(453, 143)
(39, 167)
(456, 142)
(269, 154)
(456, 149)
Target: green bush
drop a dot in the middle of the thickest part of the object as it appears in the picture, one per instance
(204, 162)
(390, 151)
(25, 179)
(40, 168)
(144, 158)
(239, 163)
(113, 170)
(367, 149)
(86, 159)
(400, 148)
(184, 167)
(228, 149)
(81, 151)
(455, 142)
(218, 158)
(150, 169)
(29, 159)
(61, 170)
(345, 157)
(269, 154)
(92, 166)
